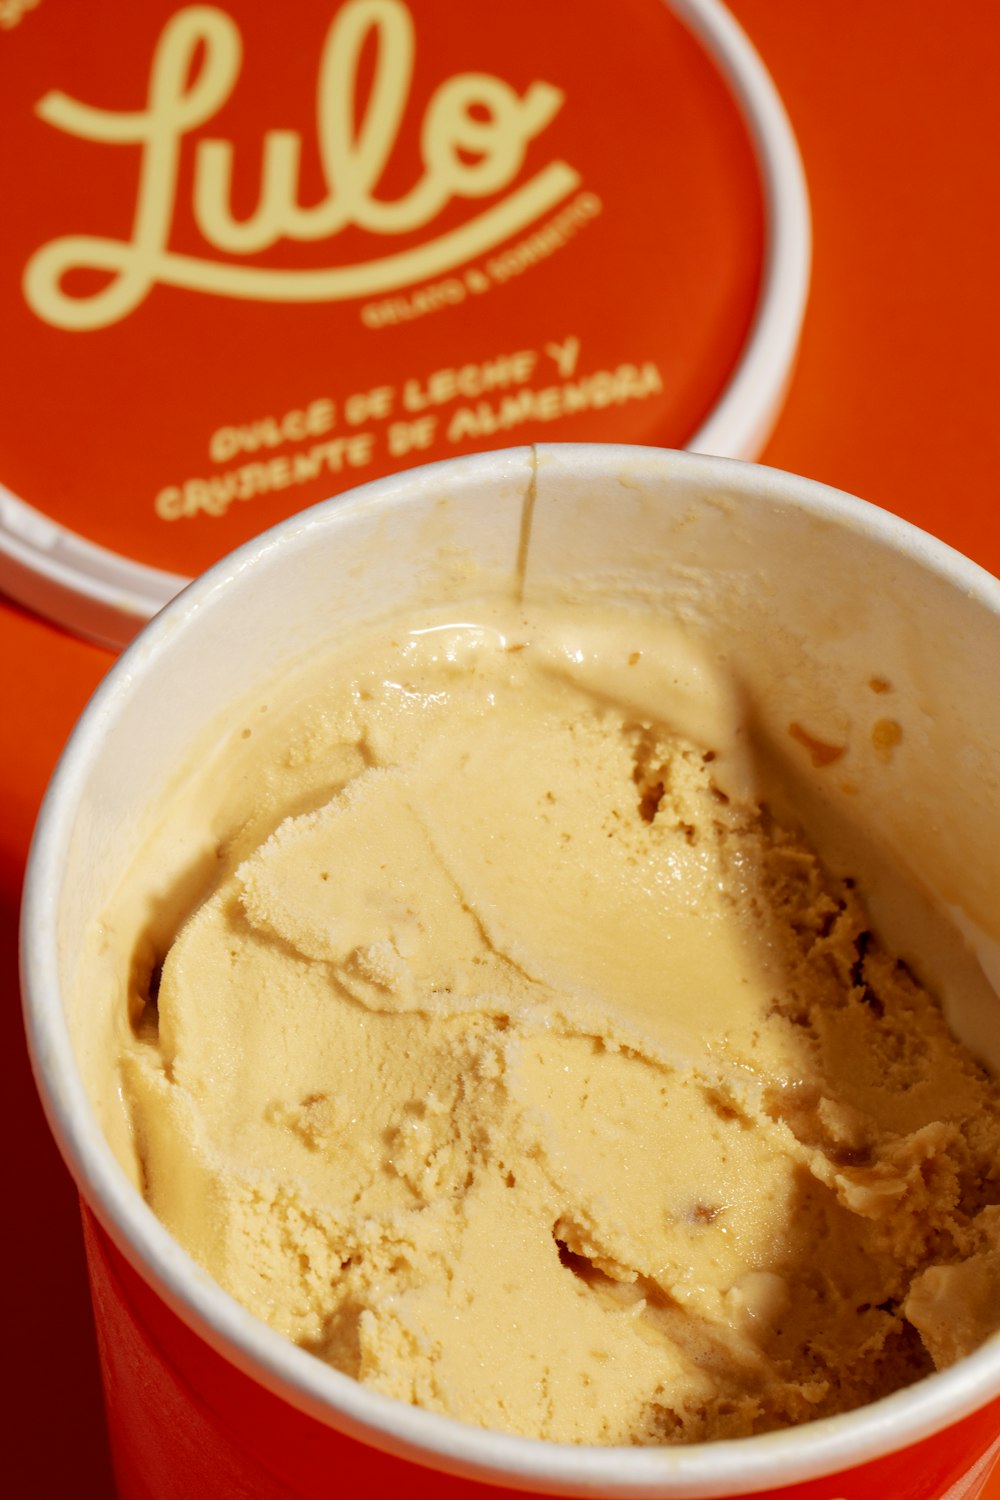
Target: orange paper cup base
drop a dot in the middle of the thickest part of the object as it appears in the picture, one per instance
(185, 1422)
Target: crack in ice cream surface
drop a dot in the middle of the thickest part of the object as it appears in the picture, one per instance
(528, 1071)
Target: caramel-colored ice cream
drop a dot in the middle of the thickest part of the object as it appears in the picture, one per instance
(515, 1060)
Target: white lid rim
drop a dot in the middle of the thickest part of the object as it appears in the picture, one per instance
(744, 416)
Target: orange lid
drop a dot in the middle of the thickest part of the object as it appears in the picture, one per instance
(256, 260)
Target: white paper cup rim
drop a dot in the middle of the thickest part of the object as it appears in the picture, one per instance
(744, 1466)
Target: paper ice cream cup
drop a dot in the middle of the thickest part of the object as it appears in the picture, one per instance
(853, 631)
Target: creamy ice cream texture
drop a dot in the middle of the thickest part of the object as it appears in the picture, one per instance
(517, 1061)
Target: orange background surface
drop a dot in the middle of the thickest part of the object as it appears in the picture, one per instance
(894, 398)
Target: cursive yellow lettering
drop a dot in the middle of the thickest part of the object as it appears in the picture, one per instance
(213, 192)
(473, 142)
(174, 108)
(354, 157)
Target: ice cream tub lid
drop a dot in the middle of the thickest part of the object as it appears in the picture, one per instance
(254, 262)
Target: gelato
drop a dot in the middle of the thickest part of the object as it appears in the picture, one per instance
(512, 1057)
